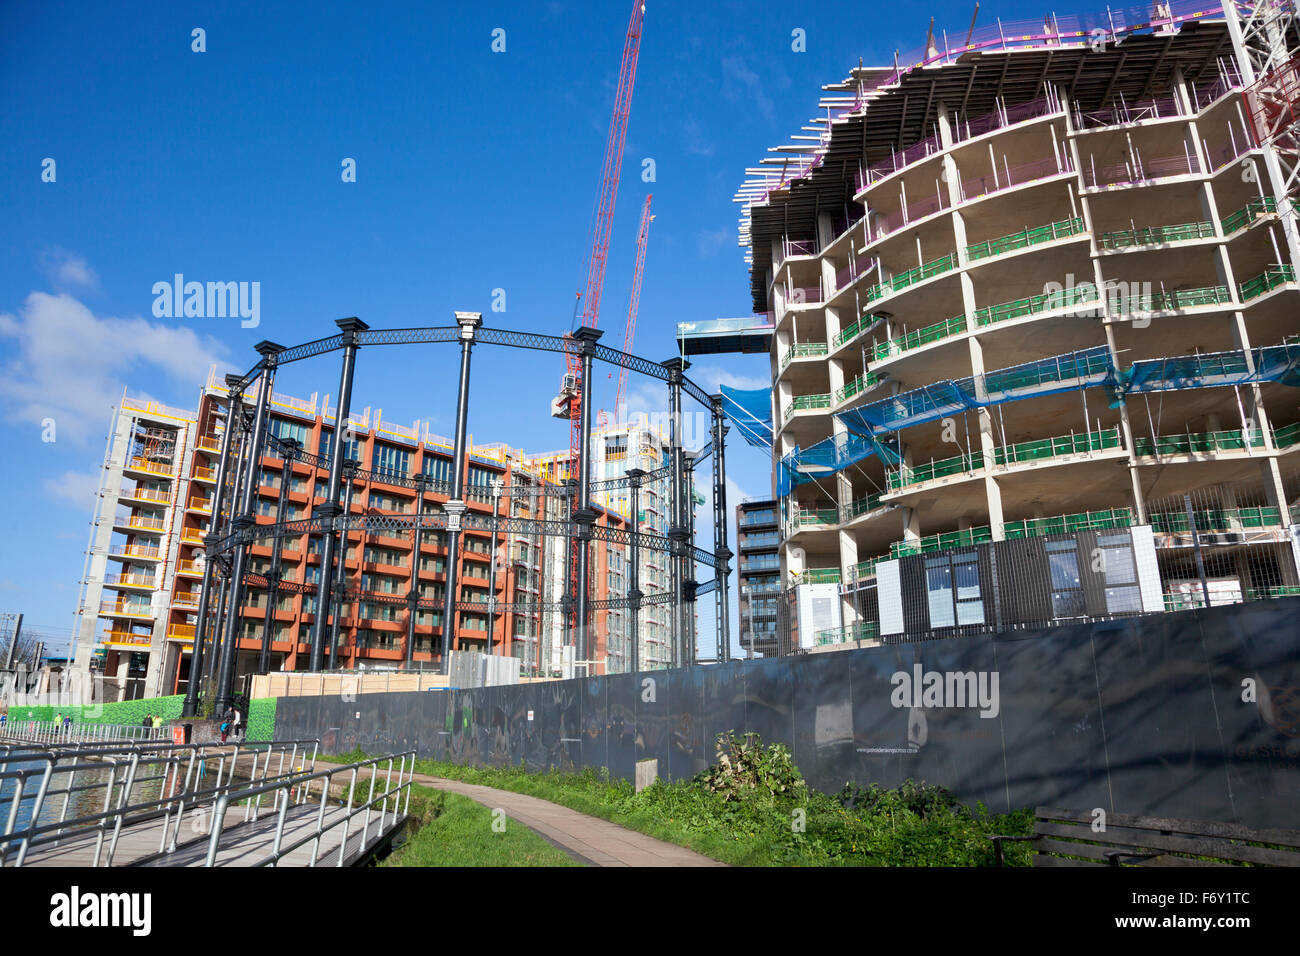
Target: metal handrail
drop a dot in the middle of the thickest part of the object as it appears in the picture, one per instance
(117, 811)
(54, 732)
(297, 790)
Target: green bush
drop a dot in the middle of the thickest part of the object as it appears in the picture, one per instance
(746, 770)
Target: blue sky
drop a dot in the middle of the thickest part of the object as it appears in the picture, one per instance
(475, 171)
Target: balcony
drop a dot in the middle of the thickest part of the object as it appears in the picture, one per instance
(1024, 239)
(861, 506)
(149, 466)
(124, 609)
(145, 494)
(806, 403)
(1218, 519)
(1113, 519)
(813, 518)
(209, 443)
(185, 599)
(1058, 447)
(857, 386)
(1248, 214)
(193, 535)
(942, 542)
(125, 639)
(138, 522)
(208, 475)
(137, 551)
(131, 581)
(919, 337)
(801, 350)
(1266, 281)
(817, 576)
(1210, 295)
(180, 632)
(203, 505)
(1035, 305)
(1154, 236)
(1194, 443)
(859, 631)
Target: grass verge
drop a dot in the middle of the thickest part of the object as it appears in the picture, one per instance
(455, 831)
(772, 818)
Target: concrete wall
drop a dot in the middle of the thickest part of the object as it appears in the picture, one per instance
(1144, 715)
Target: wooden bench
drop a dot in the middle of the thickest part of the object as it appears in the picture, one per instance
(1066, 838)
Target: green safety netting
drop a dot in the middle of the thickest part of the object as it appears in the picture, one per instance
(750, 410)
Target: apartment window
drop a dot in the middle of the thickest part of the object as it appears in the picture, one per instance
(433, 562)
(381, 583)
(1067, 584)
(391, 461)
(283, 429)
(437, 468)
(480, 477)
(351, 449)
(952, 584)
(1119, 570)
(474, 622)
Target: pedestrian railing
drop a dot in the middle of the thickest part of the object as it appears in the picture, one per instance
(180, 780)
(56, 732)
(297, 791)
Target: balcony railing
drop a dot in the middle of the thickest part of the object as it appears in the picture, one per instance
(1155, 235)
(854, 330)
(1266, 281)
(1218, 519)
(1197, 442)
(200, 504)
(919, 337)
(858, 385)
(1114, 518)
(126, 637)
(942, 542)
(132, 580)
(803, 350)
(901, 281)
(180, 632)
(1024, 239)
(1058, 446)
(1171, 301)
(860, 631)
(137, 551)
(1134, 173)
(124, 607)
(140, 463)
(808, 403)
(913, 475)
(147, 494)
(1247, 214)
(817, 576)
(1286, 436)
(209, 443)
(861, 506)
(1079, 295)
(813, 517)
(141, 521)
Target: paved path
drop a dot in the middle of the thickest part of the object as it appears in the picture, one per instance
(585, 838)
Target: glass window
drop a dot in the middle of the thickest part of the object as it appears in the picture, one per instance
(392, 461)
(282, 428)
(437, 467)
(938, 586)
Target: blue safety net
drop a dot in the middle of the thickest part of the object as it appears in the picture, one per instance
(831, 455)
(750, 410)
(1273, 363)
(1073, 370)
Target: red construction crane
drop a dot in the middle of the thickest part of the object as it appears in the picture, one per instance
(642, 233)
(633, 303)
(573, 388)
(569, 402)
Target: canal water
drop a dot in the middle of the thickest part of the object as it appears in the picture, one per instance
(81, 803)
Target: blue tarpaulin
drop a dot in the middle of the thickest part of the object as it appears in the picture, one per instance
(750, 410)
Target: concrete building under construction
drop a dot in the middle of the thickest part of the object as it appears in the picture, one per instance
(1025, 295)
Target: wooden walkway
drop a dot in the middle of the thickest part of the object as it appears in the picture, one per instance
(242, 844)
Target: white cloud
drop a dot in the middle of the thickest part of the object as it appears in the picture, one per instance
(710, 242)
(71, 365)
(74, 488)
(709, 377)
(739, 82)
(68, 271)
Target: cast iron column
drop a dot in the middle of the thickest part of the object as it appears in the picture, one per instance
(290, 447)
(244, 520)
(469, 323)
(413, 596)
(634, 476)
(722, 553)
(584, 515)
(209, 542)
(234, 493)
(677, 534)
(340, 587)
(497, 484)
(330, 509)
